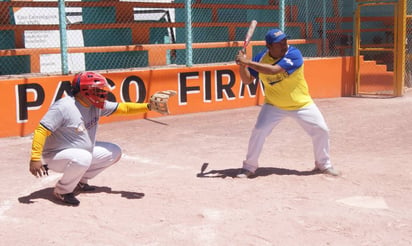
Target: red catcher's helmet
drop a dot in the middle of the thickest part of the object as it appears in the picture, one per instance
(91, 85)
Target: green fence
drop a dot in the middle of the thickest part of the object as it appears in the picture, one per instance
(115, 34)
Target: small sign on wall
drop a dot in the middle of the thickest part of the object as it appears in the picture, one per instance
(51, 63)
(38, 39)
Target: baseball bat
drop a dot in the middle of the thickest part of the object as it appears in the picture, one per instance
(202, 170)
(249, 34)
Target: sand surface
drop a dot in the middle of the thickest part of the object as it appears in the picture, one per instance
(155, 195)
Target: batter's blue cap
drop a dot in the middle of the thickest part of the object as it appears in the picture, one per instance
(275, 36)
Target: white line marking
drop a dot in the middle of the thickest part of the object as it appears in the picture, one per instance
(148, 161)
(139, 159)
(365, 202)
(9, 203)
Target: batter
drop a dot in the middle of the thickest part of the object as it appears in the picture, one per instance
(280, 67)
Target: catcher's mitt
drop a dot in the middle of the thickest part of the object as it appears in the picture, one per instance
(158, 101)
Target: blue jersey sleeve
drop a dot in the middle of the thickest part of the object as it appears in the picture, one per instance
(292, 60)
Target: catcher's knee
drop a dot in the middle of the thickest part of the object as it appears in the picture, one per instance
(107, 152)
(116, 152)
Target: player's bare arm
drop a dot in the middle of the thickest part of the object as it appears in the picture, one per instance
(264, 68)
(244, 63)
(37, 168)
(245, 75)
(259, 67)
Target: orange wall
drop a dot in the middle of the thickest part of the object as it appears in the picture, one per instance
(202, 88)
(330, 77)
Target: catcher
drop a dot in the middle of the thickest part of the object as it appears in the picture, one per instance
(65, 139)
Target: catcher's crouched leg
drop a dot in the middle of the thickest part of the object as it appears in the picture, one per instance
(158, 101)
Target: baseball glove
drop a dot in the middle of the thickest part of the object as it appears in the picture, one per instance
(158, 101)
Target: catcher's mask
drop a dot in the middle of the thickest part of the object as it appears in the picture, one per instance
(91, 85)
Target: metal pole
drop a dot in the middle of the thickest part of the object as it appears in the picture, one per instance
(282, 15)
(356, 46)
(354, 30)
(324, 26)
(307, 17)
(400, 45)
(63, 38)
(188, 28)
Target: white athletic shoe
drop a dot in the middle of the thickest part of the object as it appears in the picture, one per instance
(244, 173)
(328, 171)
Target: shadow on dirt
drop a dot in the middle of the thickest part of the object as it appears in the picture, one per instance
(260, 172)
(47, 194)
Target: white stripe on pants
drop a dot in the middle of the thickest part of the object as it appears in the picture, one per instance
(311, 120)
(81, 165)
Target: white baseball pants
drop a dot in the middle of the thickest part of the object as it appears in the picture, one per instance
(79, 165)
(311, 120)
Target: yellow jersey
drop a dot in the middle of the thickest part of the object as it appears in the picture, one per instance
(287, 90)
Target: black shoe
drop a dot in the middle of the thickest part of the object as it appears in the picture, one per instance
(244, 173)
(83, 187)
(67, 198)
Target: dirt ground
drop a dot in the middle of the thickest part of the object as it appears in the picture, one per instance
(156, 194)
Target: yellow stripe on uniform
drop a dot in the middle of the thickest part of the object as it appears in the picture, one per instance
(39, 138)
(131, 108)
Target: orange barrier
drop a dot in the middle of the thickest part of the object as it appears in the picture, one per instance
(199, 89)
(140, 33)
(157, 52)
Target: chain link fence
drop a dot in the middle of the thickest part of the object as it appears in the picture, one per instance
(408, 66)
(121, 34)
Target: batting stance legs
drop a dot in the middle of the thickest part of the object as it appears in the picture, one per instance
(79, 165)
(311, 120)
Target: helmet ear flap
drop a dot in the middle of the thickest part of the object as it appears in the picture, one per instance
(76, 84)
